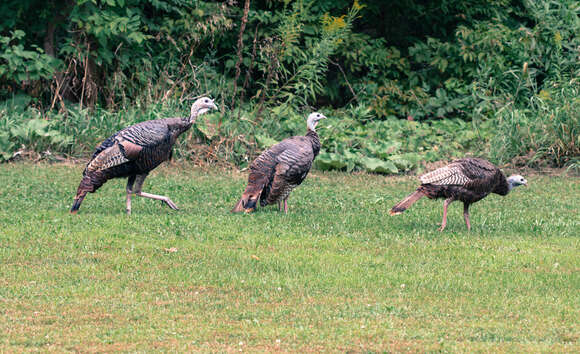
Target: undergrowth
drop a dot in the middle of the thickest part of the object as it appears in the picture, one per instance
(403, 83)
(353, 139)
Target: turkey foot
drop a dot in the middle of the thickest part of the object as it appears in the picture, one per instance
(466, 217)
(163, 198)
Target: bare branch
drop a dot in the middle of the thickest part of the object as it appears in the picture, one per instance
(345, 78)
(240, 47)
(249, 71)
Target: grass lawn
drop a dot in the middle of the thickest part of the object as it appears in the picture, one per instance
(335, 274)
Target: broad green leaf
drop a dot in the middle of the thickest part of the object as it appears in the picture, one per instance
(372, 164)
(265, 141)
(330, 161)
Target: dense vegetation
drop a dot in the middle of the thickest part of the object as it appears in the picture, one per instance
(404, 81)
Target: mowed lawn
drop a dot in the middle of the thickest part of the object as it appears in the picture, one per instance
(335, 274)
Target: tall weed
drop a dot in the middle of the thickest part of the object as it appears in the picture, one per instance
(546, 132)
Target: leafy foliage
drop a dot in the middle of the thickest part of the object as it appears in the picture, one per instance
(394, 145)
(548, 131)
(25, 129)
(18, 64)
(421, 80)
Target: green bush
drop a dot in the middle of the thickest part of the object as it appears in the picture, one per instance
(405, 81)
(548, 131)
(18, 64)
(390, 146)
(25, 129)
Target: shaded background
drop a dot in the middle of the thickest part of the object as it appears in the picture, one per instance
(404, 81)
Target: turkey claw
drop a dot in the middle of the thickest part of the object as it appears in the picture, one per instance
(170, 204)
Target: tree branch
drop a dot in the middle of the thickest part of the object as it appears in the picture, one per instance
(240, 47)
(345, 79)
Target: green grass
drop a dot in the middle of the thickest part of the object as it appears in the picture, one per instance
(335, 274)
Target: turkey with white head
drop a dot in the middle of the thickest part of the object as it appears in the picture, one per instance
(280, 169)
(468, 180)
(134, 152)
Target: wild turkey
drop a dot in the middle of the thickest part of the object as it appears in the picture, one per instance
(135, 151)
(468, 180)
(280, 169)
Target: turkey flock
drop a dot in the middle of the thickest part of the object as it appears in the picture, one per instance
(136, 150)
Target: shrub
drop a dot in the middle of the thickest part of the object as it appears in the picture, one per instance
(546, 132)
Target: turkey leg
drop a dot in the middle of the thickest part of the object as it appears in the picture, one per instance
(286, 206)
(466, 216)
(130, 183)
(139, 184)
(445, 205)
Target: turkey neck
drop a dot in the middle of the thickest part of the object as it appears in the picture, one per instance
(502, 188)
(313, 136)
(178, 126)
(183, 124)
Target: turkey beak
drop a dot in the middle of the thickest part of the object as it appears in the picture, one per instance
(213, 106)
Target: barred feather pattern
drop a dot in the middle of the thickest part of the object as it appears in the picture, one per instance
(293, 165)
(451, 174)
(110, 157)
(286, 190)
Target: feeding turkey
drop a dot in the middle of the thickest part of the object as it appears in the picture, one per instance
(134, 152)
(280, 169)
(468, 180)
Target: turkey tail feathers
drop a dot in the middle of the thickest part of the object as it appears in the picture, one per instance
(249, 200)
(247, 204)
(239, 206)
(407, 202)
(81, 193)
(86, 186)
(77, 203)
